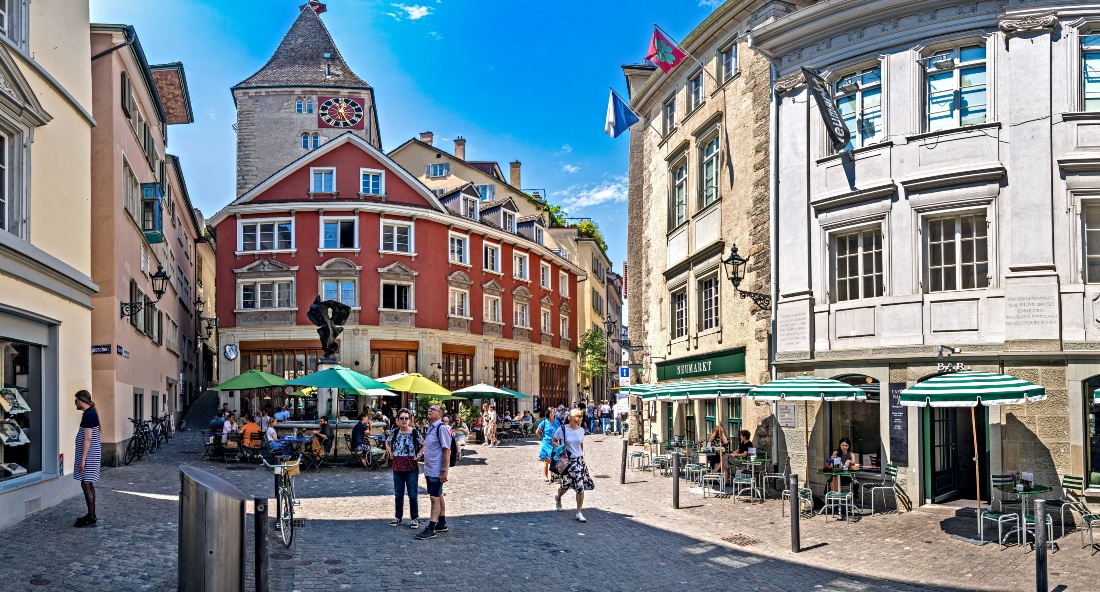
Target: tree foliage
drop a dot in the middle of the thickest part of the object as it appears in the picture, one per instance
(557, 215)
(592, 230)
(593, 353)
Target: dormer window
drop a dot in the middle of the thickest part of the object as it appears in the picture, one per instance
(538, 235)
(487, 192)
(469, 207)
(509, 222)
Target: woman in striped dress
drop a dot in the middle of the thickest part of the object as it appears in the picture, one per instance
(88, 455)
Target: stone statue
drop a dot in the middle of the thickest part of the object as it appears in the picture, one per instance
(329, 316)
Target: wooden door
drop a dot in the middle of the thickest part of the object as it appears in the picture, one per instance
(392, 361)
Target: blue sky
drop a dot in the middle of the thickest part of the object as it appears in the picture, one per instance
(519, 80)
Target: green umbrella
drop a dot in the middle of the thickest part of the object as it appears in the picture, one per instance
(417, 384)
(338, 377)
(253, 379)
(515, 394)
(970, 389)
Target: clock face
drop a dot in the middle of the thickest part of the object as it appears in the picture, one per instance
(341, 112)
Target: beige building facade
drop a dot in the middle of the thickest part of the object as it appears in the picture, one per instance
(143, 345)
(45, 263)
(698, 185)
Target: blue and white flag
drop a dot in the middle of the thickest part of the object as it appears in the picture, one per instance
(619, 116)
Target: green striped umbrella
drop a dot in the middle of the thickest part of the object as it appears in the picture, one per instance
(807, 388)
(252, 379)
(645, 391)
(708, 388)
(970, 389)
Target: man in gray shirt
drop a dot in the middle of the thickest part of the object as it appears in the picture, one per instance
(437, 458)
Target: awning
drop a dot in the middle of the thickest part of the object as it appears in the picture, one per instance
(970, 389)
(807, 388)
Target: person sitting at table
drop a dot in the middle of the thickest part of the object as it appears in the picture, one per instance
(229, 426)
(283, 415)
(323, 434)
(743, 446)
(359, 442)
(717, 441)
(249, 429)
(461, 430)
(273, 443)
(847, 459)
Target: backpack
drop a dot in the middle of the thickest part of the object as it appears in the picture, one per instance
(454, 453)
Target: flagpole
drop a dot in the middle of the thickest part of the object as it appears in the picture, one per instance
(673, 39)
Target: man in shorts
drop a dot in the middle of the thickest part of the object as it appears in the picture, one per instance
(437, 457)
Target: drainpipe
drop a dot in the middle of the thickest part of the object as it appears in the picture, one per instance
(773, 200)
(130, 38)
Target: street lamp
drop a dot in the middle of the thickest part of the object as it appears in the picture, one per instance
(735, 270)
(206, 325)
(160, 285)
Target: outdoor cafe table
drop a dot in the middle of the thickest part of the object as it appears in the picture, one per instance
(752, 464)
(296, 442)
(1035, 490)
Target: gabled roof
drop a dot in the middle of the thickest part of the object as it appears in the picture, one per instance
(532, 218)
(345, 138)
(488, 167)
(469, 190)
(300, 59)
(498, 203)
(172, 87)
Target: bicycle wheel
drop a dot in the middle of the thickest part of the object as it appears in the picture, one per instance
(142, 446)
(286, 516)
(131, 451)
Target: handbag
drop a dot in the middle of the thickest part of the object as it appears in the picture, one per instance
(404, 463)
(559, 457)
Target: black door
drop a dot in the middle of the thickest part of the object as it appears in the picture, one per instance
(944, 439)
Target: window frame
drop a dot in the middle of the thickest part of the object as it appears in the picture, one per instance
(856, 76)
(545, 325)
(678, 314)
(444, 167)
(339, 281)
(1085, 206)
(563, 284)
(363, 172)
(257, 294)
(485, 248)
(723, 75)
(540, 235)
(508, 222)
(926, 268)
(545, 272)
(834, 238)
(305, 141)
(954, 48)
(715, 303)
(321, 170)
(525, 267)
(563, 326)
(471, 208)
(696, 90)
(668, 115)
(489, 188)
(241, 223)
(465, 254)
(465, 299)
(1093, 33)
(526, 308)
(338, 220)
(299, 106)
(411, 226)
(675, 203)
(714, 138)
(488, 318)
(409, 285)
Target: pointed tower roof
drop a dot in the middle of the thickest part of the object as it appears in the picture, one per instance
(300, 58)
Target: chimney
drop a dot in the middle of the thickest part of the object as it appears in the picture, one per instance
(513, 174)
(426, 137)
(460, 148)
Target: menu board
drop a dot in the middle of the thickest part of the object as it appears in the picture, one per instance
(899, 425)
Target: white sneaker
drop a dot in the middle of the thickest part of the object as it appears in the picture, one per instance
(414, 524)
(557, 503)
(580, 517)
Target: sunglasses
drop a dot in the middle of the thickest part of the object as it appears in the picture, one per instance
(403, 419)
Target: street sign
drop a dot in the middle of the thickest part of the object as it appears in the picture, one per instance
(101, 349)
(122, 351)
(624, 375)
(786, 414)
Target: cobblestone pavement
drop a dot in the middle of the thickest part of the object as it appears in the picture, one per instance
(505, 535)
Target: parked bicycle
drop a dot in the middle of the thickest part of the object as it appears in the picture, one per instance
(284, 498)
(138, 443)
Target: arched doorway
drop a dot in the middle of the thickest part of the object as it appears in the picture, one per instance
(952, 441)
(859, 421)
(1091, 390)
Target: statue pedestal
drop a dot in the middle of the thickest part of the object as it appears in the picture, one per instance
(328, 400)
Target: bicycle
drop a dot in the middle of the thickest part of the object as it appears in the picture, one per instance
(284, 498)
(135, 448)
(158, 432)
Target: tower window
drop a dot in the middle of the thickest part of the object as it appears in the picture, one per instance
(316, 140)
(298, 106)
(305, 141)
(309, 106)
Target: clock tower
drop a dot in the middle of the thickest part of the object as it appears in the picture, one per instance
(304, 96)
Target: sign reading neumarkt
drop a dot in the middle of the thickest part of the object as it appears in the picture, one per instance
(834, 123)
(725, 362)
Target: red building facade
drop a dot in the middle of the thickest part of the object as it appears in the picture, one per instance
(435, 286)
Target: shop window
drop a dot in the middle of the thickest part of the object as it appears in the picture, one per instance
(458, 370)
(858, 421)
(689, 421)
(1092, 433)
(21, 410)
(733, 418)
(710, 416)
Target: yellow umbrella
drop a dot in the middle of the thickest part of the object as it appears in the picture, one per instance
(417, 384)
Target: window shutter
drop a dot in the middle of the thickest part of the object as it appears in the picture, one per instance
(126, 94)
(446, 169)
(134, 295)
(492, 193)
(427, 170)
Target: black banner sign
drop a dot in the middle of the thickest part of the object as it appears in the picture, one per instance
(899, 425)
(834, 123)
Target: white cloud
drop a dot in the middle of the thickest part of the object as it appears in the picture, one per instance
(412, 12)
(578, 197)
(435, 35)
(566, 148)
(568, 168)
(711, 3)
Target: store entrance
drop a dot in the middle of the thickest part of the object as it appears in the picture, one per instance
(950, 470)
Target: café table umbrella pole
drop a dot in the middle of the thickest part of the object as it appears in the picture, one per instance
(970, 389)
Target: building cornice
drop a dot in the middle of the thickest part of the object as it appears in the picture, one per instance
(27, 263)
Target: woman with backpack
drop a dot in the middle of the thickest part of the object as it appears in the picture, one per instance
(576, 475)
(405, 445)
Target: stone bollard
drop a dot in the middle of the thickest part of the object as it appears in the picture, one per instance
(1041, 583)
(675, 481)
(622, 467)
(796, 515)
(259, 505)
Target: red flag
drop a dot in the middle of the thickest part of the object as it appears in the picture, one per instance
(663, 52)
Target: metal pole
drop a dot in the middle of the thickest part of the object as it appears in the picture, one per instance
(675, 481)
(796, 514)
(1040, 545)
(259, 504)
(622, 467)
